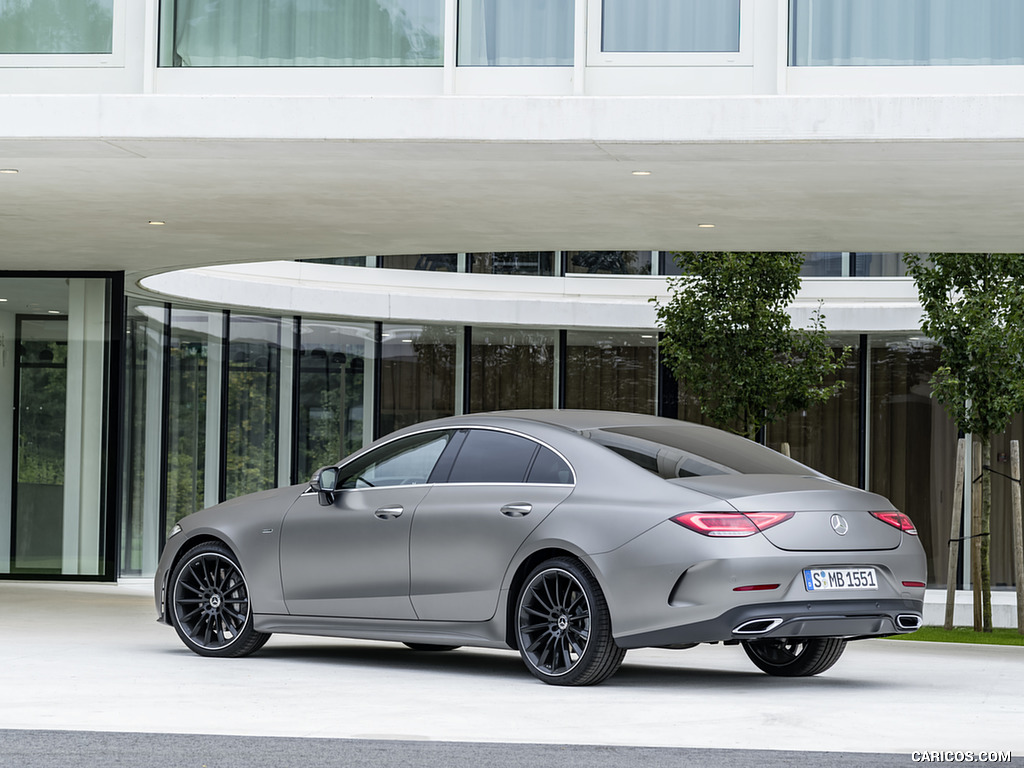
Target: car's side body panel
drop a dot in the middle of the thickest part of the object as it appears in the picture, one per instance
(463, 538)
(351, 558)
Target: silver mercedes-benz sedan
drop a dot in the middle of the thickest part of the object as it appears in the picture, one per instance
(570, 536)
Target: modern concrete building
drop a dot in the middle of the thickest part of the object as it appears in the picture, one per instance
(240, 239)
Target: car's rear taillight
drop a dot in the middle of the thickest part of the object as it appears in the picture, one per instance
(730, 523)
(897, 520)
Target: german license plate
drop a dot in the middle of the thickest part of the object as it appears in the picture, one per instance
(832, 579)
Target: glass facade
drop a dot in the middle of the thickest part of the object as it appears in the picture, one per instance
(513, 263)
(56, 365)
(426, 262)
(887, 33)
(218, 404)
(56, 26)
(608, 262)
(418, 374)
(142, 480)
(912, 441)
(252, 384)
(511, 368)
(670, 26)
(195, 338)
(611, 371)
(335, 365)
(516, 33)
(827, 436)
(301, 33)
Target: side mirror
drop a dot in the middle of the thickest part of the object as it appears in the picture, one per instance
(324, 481)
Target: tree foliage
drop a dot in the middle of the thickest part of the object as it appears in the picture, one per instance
(974, 309)
(729, 340)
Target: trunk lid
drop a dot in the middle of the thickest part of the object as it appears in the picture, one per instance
(822, 508)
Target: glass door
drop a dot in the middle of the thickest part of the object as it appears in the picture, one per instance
(55, 431)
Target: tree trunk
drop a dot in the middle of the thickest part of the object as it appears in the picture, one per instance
(986, 527)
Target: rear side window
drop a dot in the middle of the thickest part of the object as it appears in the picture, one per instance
(548, 467)
(493, 457)
(692, 450)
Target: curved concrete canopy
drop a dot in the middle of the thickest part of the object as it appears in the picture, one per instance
(573, 301)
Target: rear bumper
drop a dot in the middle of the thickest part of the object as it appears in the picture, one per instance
(850, 619)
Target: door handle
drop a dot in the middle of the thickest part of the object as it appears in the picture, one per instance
(521, 509)
(389, 513)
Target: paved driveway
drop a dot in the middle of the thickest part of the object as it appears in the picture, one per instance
(92, 658)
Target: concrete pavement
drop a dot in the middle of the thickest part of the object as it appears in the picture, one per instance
(92, 658)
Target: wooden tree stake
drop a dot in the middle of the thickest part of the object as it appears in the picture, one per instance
(1018, 533)
(954, 533)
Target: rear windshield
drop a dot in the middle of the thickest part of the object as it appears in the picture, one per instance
(691, 450)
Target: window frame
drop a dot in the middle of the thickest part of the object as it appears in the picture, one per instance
(525, 481)
(344, 472)
(114, 59)
(596, 57)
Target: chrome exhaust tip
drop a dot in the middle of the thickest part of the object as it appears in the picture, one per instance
(756, 626)
(908, 621)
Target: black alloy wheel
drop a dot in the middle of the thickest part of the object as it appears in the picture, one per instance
(210, 603)
(563, 627)
(797, 657)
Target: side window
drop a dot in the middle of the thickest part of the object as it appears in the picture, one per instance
(407, 461)
(493, 457)
(548, 467)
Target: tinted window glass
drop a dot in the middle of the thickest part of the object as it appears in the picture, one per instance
(404, 462)
(493, 457)
(690, 450)
(548, 467)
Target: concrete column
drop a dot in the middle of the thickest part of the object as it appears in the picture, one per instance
(154, 433)
(84, 427)
(8, 363)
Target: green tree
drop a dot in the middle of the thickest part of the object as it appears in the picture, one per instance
(729, 340)
(974, 309)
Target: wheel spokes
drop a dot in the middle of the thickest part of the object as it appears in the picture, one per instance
(554, 622)
(211, 601)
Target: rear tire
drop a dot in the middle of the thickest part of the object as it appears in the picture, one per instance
(797, 657)
(563, 628)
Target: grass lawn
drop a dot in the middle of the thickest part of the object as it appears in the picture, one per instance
(997, 636)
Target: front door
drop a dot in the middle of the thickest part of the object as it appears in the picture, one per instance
(351, 558)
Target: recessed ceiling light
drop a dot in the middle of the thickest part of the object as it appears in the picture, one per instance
(646, 336)
(157, 223)
(407, 341)
(3, 299)
(705, 226)
(641, 173)
(53, 311)
(8, 170)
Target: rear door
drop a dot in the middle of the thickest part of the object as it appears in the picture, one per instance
(466, 531)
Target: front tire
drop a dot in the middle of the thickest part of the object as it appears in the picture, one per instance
(796, 657)
(563, 628)
(210, 603)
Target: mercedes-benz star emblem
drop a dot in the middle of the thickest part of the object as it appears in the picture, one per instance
(839, 524)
